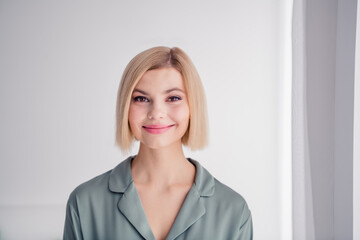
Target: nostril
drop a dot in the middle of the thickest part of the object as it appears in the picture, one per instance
(156, 113)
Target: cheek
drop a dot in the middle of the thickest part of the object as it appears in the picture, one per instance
(135, 114)
(182, 114)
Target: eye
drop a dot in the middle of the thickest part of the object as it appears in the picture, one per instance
(140, 99)
(174, 99)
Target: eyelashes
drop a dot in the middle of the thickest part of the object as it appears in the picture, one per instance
(140, 99)
(145, 99)
(174, 99)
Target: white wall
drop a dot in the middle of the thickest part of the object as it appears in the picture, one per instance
(60, 66)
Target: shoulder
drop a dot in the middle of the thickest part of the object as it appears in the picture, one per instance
(92, 187)
(226, 193)
(104, 186)
(218, 195)
(224, 203)
(226, 196)
(235, 210)
(115, 180)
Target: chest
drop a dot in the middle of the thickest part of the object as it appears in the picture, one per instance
(162, 207)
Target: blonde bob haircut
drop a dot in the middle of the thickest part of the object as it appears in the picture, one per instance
(196, 136)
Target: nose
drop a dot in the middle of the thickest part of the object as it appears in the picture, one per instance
(156, 111)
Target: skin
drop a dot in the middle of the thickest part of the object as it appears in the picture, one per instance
(161, 173)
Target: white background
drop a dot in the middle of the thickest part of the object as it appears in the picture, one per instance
(60, 66)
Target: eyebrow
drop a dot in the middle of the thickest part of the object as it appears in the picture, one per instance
(165, 92)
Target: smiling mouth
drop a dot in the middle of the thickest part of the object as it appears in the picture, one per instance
(157, 126)
(157, 129)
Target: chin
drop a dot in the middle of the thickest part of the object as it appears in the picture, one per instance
(159, 144)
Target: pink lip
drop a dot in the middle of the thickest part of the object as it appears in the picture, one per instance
(157, 129)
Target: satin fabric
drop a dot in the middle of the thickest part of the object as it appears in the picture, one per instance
(108, 207)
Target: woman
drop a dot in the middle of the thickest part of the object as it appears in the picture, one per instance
(158, 193)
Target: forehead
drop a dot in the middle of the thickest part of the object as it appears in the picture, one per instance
(161, 78)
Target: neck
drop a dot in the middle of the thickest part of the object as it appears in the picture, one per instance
(162, 166)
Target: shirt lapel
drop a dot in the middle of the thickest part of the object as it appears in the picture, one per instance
(193, 207)
(191, 211)
(129, 204)
(131, 207)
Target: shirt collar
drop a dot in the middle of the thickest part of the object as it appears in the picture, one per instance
(120, 178)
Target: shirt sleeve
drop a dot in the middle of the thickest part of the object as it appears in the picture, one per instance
(72, 228)
(246, 228)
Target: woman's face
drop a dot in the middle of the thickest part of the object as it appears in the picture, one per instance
(159, 110)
